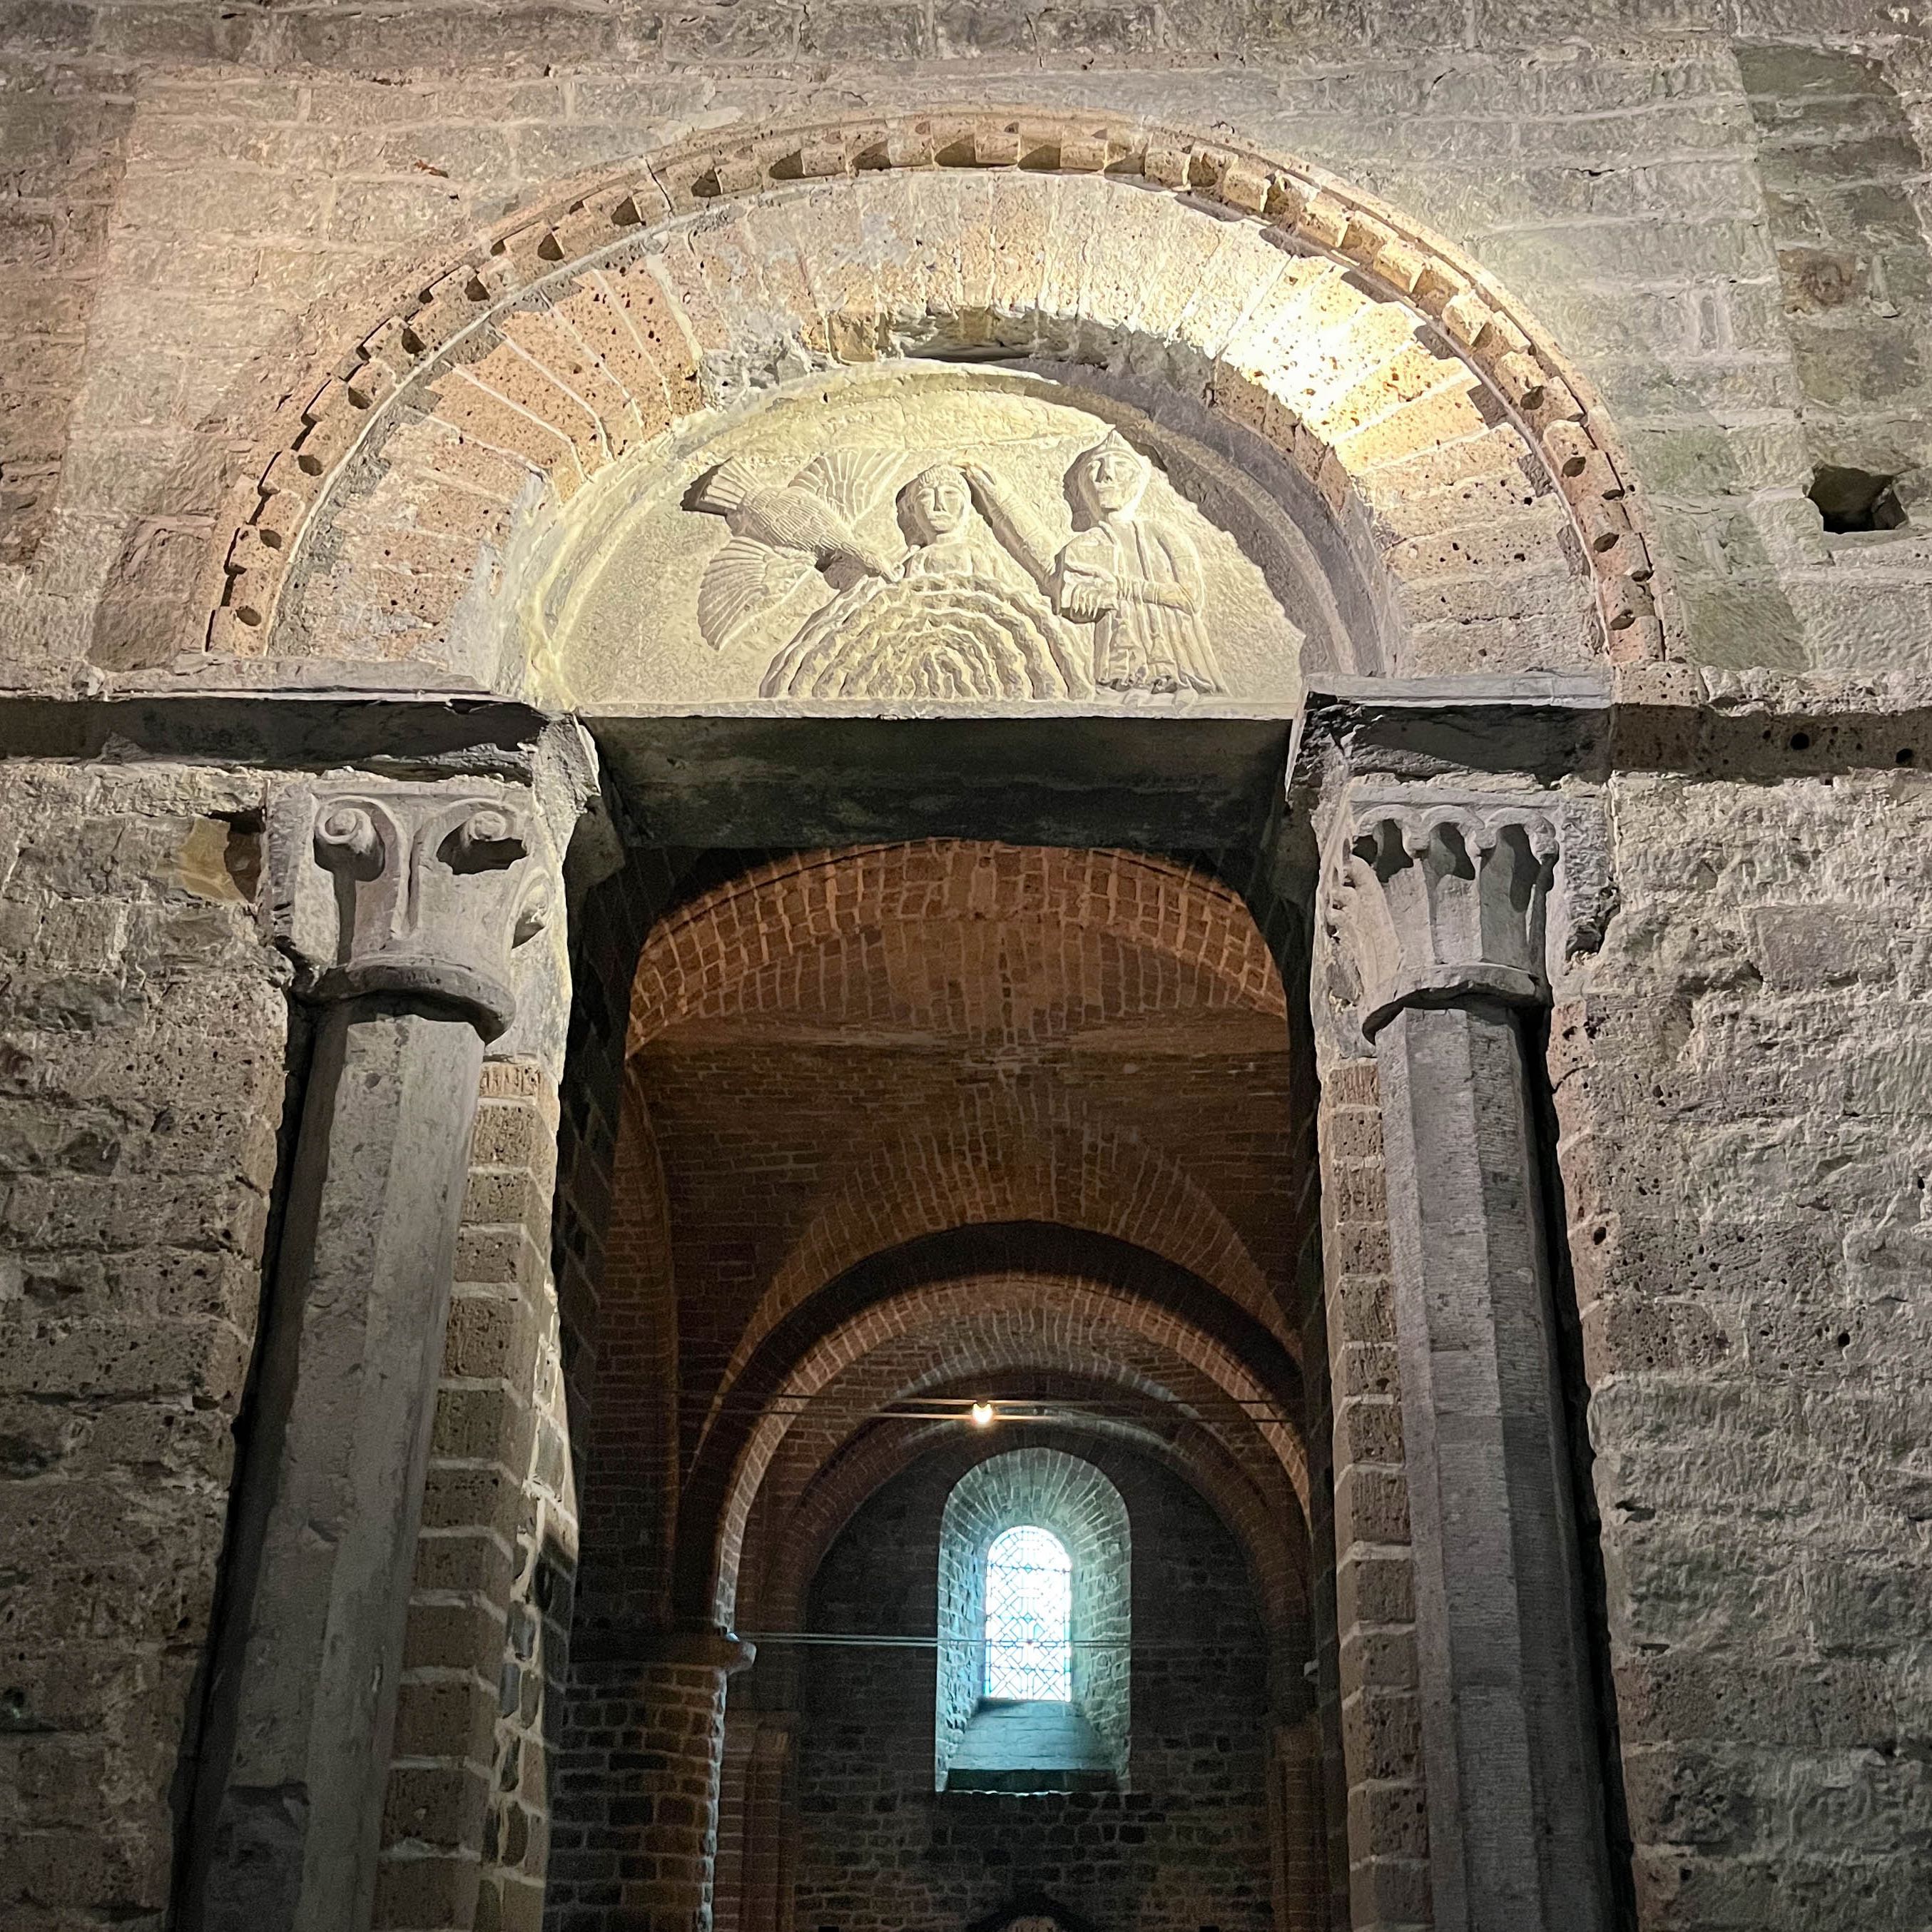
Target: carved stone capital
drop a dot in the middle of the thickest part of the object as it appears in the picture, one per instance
(420, 890)
(1427, 903)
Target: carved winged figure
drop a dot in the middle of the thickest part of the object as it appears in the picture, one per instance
(781, 532)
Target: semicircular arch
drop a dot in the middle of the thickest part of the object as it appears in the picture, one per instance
(1078, 1174)
(391, 515)
(920, 1290)
(760, 943)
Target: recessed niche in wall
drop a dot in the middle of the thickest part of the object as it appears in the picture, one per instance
(1851, 500)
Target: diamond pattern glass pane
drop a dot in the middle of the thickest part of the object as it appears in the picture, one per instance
(1029, 1606)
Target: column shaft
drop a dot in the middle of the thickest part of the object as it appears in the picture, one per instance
(302, 1702)
(669, 1839)
(1516, 1835)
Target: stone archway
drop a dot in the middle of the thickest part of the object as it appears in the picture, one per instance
(1359, 421)
(1459, 488)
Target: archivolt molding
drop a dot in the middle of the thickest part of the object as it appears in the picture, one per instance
(603, 321)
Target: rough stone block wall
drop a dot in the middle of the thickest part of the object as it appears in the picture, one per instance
(1746, 1153)
(1842, 172)
(467, 1818)
(284, 176)
(63, 131)
(143, 1028)
(880, 1851)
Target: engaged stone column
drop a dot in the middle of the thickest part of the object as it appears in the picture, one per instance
(1440, 911)
(401, 904)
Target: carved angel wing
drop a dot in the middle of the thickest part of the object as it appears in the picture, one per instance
(743, 579)
(850, 480)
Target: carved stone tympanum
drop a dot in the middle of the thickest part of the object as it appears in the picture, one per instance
(955, 538)
(1431, 902)
(987, 600)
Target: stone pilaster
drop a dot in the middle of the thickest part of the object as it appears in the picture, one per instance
(1435, 909)
(402, 906)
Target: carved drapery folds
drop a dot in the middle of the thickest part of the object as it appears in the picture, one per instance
(1433, 902)
(413, 889)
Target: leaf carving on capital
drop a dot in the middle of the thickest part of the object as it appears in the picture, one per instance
(418, 891)
(1427, 903)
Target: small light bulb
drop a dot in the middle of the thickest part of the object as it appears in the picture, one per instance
(982, 1415)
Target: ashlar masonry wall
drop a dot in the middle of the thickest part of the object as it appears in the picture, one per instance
(1746, 1149)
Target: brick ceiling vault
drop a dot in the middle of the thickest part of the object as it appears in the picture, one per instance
(1470, 469)
(946, 1120)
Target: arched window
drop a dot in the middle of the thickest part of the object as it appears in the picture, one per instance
(1029, 1609)
(1032, 1683)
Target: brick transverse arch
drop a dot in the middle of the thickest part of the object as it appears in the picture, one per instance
(728, 1477)
(765, 941)
(1467, 468)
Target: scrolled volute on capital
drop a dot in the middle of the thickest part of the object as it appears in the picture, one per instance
(1434, 903)
(421, 891)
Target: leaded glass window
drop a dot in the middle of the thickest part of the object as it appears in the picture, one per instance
(1029, 1607)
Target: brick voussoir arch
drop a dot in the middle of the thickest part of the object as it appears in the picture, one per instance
(1079, 1175)
(1277, 1559)
(1021, 1345)
(708, 958)
(924, 1284)
(557, 345)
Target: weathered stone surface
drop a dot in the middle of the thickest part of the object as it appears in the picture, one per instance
(141, 1033)
(235, 243)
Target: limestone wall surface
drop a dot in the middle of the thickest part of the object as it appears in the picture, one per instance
(1745, 1147)
(202, 210)
(142, 1035)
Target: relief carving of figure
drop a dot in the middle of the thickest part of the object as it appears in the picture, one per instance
(956, 618)
(1133, 575)
(943, 535)
(982, 605)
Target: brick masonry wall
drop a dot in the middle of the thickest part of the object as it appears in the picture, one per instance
(880, 1851)
(637, 1799)
(1746, 1149)
(143, 1034)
